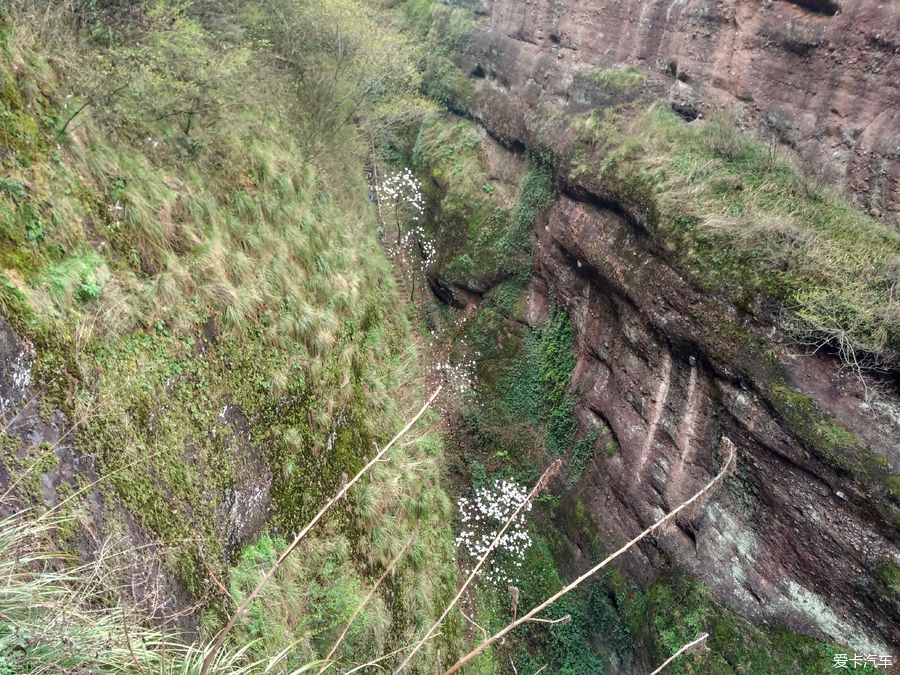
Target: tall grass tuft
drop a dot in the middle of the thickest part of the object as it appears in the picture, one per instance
(61, 616)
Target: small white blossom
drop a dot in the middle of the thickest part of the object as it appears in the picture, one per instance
(402, 191)
(486, 513)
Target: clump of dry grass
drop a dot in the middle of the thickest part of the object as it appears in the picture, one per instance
(59, 615)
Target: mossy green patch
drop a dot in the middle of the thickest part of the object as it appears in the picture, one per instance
(537, 386)
(834, 443)
(603, 87)
(678, 610)
(471, 220)
(889, 574)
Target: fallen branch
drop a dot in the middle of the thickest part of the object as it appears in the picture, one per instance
(726, 444)
(223, 634)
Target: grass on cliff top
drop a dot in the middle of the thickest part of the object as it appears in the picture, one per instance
(746, 222)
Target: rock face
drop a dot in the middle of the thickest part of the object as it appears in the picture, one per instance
(798, 534)
(107, 527)
(820, 76)
(790, 541)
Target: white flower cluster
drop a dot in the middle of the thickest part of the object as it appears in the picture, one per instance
(403, 189)
(458, 377)
(415, 237)
(482, 518)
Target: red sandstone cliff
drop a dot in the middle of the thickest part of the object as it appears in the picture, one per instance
(823, 76)
(796, 538)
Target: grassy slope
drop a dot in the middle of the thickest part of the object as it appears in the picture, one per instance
(164, 275)
(745, 221)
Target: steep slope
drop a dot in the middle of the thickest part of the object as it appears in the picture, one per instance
(200, 337)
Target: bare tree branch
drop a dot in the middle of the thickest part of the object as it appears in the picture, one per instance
(726, 444)
(689, 646)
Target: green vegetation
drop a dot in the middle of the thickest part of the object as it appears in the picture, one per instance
(185, 237)
(566, 647)
(678, 609)
(744, 221)
(889, 574)
(529, 415)
(548, 355)
(472, 219)
(618, 79)
(307, 606)
(582, 453)
(452, 30)
(482, 229)
(838, 446)
(611, 86)
(537, 193)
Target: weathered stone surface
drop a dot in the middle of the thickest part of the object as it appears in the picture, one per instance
(105, 527)
(16, 358)
(790, 541)
(795, 537)
(819, 75)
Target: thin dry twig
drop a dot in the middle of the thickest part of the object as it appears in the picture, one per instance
(474, 623)
(689, 646)
(365, 601)
(393, 653)
(563, 619)
(223, 634)
(134, 658)
(726, 443)
(219, 584)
